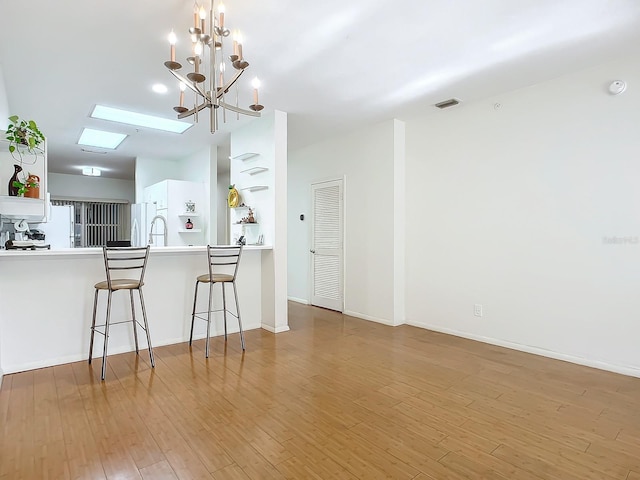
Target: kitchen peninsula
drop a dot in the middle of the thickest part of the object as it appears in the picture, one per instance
(47, 301)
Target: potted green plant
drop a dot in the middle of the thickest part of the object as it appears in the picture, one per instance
(29, 188)
(25, 134)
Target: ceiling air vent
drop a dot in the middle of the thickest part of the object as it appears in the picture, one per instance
(448, 103)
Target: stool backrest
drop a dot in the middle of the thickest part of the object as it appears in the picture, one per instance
(224, 259)
(118, 260)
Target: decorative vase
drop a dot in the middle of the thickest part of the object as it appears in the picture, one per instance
(234, 197)
(13, 191)
(32, 192)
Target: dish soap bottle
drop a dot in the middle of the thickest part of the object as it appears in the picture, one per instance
(188, 225)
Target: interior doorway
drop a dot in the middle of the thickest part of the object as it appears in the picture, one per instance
(327, 270)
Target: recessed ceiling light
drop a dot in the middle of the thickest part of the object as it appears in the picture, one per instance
(98, 138)
(139, 119)
(159, 88)
(91, 171)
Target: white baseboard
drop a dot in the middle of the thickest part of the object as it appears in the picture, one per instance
(114, 351)
(298, 300)
(271, 329)
(587, 362)
(384, 321)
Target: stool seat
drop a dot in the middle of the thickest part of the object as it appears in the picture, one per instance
(117, 260)
(215, 278)
(120, 284)
(223, 261)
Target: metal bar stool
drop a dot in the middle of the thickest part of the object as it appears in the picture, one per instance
(117, 259)
(223, 264)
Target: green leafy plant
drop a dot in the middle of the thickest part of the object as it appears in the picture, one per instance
(25, 133)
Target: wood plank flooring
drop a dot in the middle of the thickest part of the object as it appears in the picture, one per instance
(336, 397)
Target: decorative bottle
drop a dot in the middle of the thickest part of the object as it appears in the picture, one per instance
(188, 225)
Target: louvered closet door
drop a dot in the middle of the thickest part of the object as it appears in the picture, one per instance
(326, 245)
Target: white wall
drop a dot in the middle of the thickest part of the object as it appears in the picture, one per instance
(150, 171)
(198, 168)
(223, 179)
(267, 136)
(533, 211)
(365, 159)
(4, 113)
(94, 188)
(4, 103)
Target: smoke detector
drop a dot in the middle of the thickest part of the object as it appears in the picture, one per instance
(617, 87)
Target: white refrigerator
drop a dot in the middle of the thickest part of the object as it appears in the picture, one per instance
(60, 227)
(141, 216)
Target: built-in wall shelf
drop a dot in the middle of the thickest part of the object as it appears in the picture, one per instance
(244, 156)
(244, 207)
(30, 209)
(255, 188)
(254, 170)
(189, 214)
(246, 223)
(191, 230)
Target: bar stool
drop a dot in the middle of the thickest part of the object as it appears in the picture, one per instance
(223, 264)
(117, 259)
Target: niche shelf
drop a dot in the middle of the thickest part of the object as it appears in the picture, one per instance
(192, 230)
(254, 170)
(244, 156)
(255, 188)
(189, 214)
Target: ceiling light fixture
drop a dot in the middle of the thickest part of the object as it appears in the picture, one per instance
(139, 119)
(159, 88)
(100, 138)
(91, 171)
(210, 92)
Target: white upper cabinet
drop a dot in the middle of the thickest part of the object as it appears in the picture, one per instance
(17, 207)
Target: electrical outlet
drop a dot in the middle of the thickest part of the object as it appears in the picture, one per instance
(477, 310)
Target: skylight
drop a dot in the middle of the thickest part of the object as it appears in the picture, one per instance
(139, 119)
(98, 138)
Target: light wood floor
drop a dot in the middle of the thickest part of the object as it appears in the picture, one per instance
(336, 397)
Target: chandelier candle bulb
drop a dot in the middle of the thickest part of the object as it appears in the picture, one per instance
(172, 42)
(197, 51)
(195, 15)
(182, 88)
(203, 17)
(221, 11)
(255, 83)
(237, 45)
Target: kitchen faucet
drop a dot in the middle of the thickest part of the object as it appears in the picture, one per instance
(164, 232)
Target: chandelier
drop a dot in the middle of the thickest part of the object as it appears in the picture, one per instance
(209, 80)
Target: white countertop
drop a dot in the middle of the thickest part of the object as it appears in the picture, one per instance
(98, 251)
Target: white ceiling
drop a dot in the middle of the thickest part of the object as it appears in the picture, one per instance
(332, 65)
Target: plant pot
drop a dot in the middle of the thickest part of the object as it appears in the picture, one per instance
(32, 192)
